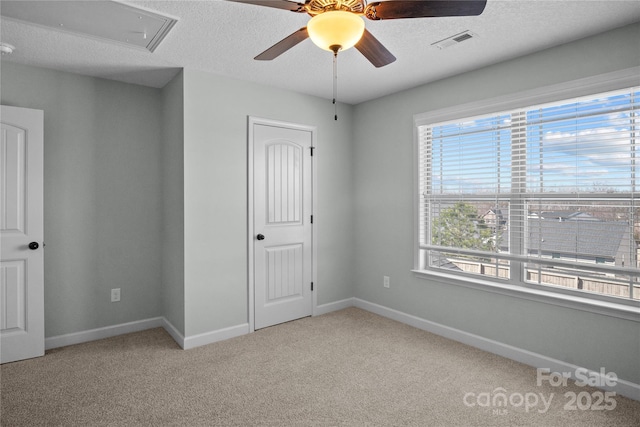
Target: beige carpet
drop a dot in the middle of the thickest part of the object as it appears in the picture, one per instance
(348, 368)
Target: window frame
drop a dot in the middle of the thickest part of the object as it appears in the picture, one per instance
(603, 304)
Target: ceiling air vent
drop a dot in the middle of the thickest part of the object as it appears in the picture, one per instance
(455, 39)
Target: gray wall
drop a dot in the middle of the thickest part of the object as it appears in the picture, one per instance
(383, 179)
(173, 202)
(102, 205)
(215, 183)
(145, 190)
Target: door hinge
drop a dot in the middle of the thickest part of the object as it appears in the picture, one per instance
(311, 286)
(312, 148)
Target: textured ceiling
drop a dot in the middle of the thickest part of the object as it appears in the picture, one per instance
(223, 37)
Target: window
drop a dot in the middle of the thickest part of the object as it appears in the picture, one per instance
(542, 196)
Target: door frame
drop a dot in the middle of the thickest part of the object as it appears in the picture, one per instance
(251, 122)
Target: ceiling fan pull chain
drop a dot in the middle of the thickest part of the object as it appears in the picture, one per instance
(335, 84)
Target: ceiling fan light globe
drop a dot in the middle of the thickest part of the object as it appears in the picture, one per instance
(335, 28)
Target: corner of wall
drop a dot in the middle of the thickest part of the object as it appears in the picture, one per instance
(173, 206)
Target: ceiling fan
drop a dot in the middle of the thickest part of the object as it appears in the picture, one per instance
(337, 25)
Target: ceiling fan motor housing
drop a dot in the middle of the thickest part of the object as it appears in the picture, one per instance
(316, 7)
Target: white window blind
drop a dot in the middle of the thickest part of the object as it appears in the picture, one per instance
(543, 195)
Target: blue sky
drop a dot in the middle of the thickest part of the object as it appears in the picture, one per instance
(580, 146)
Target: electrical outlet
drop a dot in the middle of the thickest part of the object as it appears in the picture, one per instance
(386, 282)
(115, 294)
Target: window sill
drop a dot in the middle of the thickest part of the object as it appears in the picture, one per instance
(606, 308)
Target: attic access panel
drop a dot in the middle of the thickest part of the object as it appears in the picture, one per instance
(104, 20)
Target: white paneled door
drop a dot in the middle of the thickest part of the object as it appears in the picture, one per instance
(282, 222)
(21, 232)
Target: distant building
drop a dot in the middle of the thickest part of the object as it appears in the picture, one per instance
(605, 242)
(495, 218)
(564, 235)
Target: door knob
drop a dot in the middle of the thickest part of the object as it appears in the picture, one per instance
(260, 237)
(33, 246)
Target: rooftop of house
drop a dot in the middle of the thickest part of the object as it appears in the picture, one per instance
(565, 215)
(597, 239)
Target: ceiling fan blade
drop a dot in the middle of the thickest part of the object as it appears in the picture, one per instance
(283, 45)
(397, 9)
(278, 4)
(374, 51)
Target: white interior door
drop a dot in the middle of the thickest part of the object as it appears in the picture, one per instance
(21, 232)
(282, 223)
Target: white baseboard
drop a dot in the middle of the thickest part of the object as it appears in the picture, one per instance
(333, 306)
(184, 342)
(141, 325)
(173, 331)
(622, 387)
(100, 333)
(215, 336)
